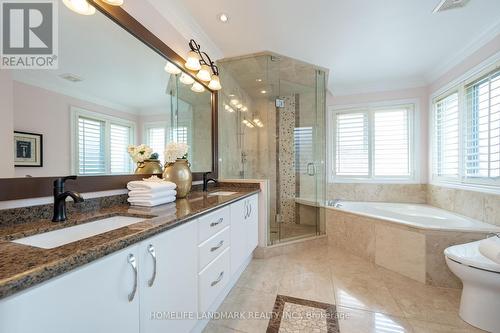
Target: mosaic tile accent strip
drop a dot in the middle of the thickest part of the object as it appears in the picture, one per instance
(292, 314)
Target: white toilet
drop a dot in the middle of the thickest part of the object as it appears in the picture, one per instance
(480, 303)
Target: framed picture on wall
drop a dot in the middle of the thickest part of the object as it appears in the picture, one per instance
(28, 149)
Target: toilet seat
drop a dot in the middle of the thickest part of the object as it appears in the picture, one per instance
(468, 254)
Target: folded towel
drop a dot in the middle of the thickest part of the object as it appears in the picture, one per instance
(151, 186)
(490, 248)
(146, 194)
(151, 203)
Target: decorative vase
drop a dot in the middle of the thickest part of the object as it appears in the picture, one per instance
(148, 167)
(179, 173)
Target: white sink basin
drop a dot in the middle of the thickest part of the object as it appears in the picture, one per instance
(223, 193)
(52, 239)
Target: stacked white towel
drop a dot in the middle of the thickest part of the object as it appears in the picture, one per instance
(490, 248)
(151, 193)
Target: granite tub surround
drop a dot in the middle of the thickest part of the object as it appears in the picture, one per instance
(412, 252)
(23, 266)
(477, 205)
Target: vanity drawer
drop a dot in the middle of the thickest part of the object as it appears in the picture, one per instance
(212, 223)
(212, 247)
(213, 279)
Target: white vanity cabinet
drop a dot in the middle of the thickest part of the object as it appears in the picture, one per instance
(93, 298)
(244, 230)
(168, 282)
(160, 284)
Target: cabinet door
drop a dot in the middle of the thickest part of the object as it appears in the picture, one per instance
(93, 298)
(252, 224)
(173, 290)
(238, 234)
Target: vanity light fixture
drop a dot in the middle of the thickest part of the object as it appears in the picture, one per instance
(197, 87)
(201, 62)
(114, 2)
(170, 68)
(248, 123)
(258, 122)
(186, 79)
(80, 6)
(228, 108)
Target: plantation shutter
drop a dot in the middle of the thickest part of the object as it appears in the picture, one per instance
(352, 148)
(91, 146)
(482, 146)
(446, 141)
(156, 140)
(119, 140)
(303, 142)
(391, 143)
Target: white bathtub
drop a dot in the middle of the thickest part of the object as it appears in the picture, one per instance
(415, 215)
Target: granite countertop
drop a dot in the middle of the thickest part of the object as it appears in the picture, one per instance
(23, 266)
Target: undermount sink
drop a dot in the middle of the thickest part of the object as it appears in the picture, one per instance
(52, 239)
(223, 193)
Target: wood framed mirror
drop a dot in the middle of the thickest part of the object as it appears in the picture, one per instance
(109, 91)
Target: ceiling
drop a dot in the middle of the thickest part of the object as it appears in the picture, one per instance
(368, 45)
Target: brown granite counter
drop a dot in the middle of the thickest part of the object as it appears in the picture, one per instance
(23, 266)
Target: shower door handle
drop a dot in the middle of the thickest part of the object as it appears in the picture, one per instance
(311, 169)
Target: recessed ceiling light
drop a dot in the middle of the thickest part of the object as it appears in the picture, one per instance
(223, 17)
(258, 80)
(263, 91)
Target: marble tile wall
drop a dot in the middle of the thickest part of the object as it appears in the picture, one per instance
(477, 205)
(409, 193)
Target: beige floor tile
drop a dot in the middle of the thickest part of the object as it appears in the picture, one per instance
(314, 286)
(360, 321)
(263, 275)
(252, 308)
(427, 327)
(215, 328)
(423, 302)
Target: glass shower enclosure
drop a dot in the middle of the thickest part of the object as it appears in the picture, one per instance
(272, 126)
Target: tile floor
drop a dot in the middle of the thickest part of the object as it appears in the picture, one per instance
(368, 298)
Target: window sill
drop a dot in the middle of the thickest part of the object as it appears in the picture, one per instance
(372, 181)
(491, 189)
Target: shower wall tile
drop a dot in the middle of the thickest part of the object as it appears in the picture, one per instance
(408, 193)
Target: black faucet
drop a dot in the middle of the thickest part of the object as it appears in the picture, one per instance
(60, 198)
(206, 180)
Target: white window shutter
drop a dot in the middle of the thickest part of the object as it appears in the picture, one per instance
(351, 144)
(91, 146)
(446, 138)
(120, 138)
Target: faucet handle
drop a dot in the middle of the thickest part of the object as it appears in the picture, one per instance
(59, 182)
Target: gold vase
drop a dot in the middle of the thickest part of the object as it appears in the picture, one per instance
(148, 167)
(179, 173)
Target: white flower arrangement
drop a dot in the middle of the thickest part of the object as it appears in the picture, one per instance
(175, 150)
(139, 153)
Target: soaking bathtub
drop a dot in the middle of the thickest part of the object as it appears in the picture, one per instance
(414, 215)
(406, 238)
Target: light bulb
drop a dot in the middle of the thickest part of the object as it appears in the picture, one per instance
(197, 87)
(193, 61)
(234, 102)
(80, 6)
(244, 109)
(172, 69)
(114, 2)
(204, 73)
(215, 83)
(186, 79)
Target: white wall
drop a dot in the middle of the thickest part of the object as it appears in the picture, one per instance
(6, 128)
(42, 111)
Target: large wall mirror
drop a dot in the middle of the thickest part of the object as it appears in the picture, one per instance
(110, 91)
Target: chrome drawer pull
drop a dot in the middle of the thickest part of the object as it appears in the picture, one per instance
(218, 246)
(133, 263)
(151, 250)
(214, 224)
(219, 279)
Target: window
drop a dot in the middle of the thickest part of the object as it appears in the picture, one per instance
(466, 147)
(373, 143)
(304, 154)
(179, 134)
(155, 138)
(100, 144)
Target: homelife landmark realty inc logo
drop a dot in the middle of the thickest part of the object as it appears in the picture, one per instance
(29, 38)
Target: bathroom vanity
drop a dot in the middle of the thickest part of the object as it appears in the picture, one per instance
(161, 274)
